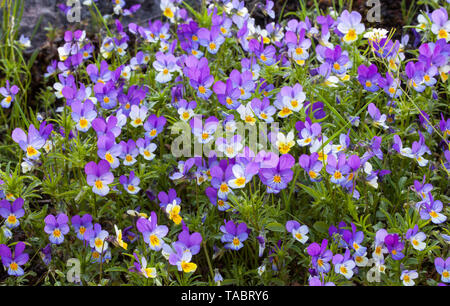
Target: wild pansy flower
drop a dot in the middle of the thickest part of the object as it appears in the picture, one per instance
(252, 66)
(108, 150)
(390, 86)
(97, 239)
(12, 212)
(230, 147)
(315, 281)
(173, 210)
(234, 234)
(344, 264)
(264, 54)
(129, 152)
(337, 168)
(350, 26)
(354, 239)
(182, 259)
(441, 24)
(81, 225)
(298, 231)
(262, 109)
(242, 174)
(83, 114)
(101, 75)
(211, 39)
(311, 165)
(56, 227)
(394, 246)
(30, 143)
(14, 262)
(186, 110)
(9, 93)
(285, 143)
(244, 82)
(361, 260)
(169, 197)
(102, 126)
(154, 125)
(146, 148)
(369, 77)
(416, 238)
(138, 115)
(308, 132)
(431, 210)
(152, 232)
(221, 174)
(99, 176)
(247, 114)
(227, 94)
(46, 254)
(199, 76)
(415, 73)
(204, 132)
(378, 119)
(118, 240)
(130, 183)
(165, 65)
(140, 266)
(189, 242)
(278, 178)
(407, 277)
(297, 46)
(106, 94)
(442, 267)
(320, 256)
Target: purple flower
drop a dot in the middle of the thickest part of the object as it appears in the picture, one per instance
(221, 174)
(320, 256)
(311, 165)
(168, 198)
(130, 183)
(106, 94)
(298, 231)
(56, 227)
(415, 73)
(165, 65)
(31, 143)
(234, 235)
(378, 119)
(441, 24)
(350, 26)
(129, 152)
(431, 210)
(297, 45)
(14, 262)
(308, 132)
(369, 77)
(442, 267)
(227, 94)
(211, 39)
(81, 225)
(99, 176)
(146, 148)
(416, 238)
(394, 246)
(97, 240)
(9, 94)
(154, 125)
(12, 212)
(354, 239)
(102, 127)
(83, 114)
(390, 86)
(152, 232)
(204, 133)
(343, 264)
(99, 76)
(199, 76)
(189, 242)
(337, 168)
(46, 254)
(108, 150)
(279, 177)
